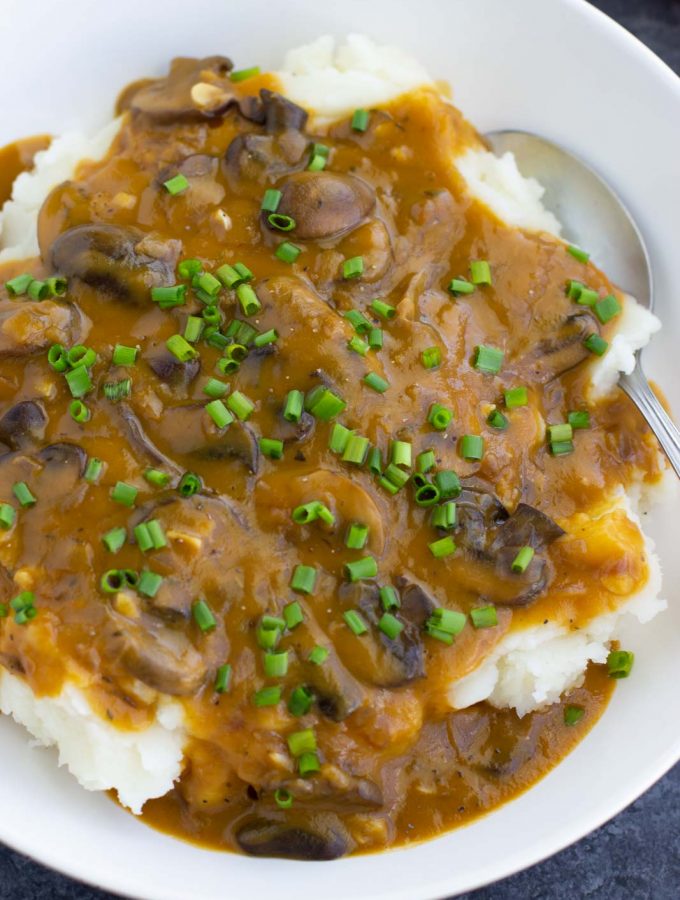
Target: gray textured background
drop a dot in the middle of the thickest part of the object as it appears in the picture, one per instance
(636, 856)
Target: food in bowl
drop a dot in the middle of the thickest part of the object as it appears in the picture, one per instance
(318, 500)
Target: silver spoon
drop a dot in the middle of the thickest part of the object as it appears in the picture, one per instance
(594, 217)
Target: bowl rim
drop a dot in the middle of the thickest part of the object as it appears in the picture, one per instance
(120, 882)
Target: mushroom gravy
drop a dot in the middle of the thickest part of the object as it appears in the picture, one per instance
(315, 697)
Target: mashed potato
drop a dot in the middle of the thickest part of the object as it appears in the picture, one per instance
(529, 667)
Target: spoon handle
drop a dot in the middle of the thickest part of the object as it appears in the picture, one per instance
(638, 389)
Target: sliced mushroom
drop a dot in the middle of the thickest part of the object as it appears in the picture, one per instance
(527, 527)
(162, 658)
(338, 693)
(140, 441)
(294, 432)
(189, 430)
(478, 510)
(202, 171)
(322, 837)
(260, 157)
(334, 785)
(563, 349)
(473, 733)
(281, 114)
(64, 455)
(27, 327)
(23, 424)
(168, 368)
(121, 261)
(324, 205)
(379, 660)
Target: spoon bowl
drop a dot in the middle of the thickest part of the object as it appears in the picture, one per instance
(595, 217)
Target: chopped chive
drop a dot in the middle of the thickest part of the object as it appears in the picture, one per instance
(573, 289)
(180, 348)
(300, 742)
(358, 321)
(310, 512)
(396, 476)
(188, 268)
(223, 679)
(23, 494)
(561, 448)
(357, 345)
(450, 621)
(80, 355)
(271, 448)
(440, 417)
(271, 200)
(521, 562)
(7, 516)
(79, 382)
(427, 495)
(557, 433)
(193, 328)
(357, 536)
(248, 300)
(215, 388)
(124, 356)
(460, 286)
(620, 663)
(176, 184)
(360, 569)
(431, 358)
(243, 74)
(243, 271)
(382, 309)
(389, 598)
(268, 696)
(287, 252)
(79, 412)
(355, 622)
(228, 275)
(203, 616)
(356, 450)
(114, 539)
(93, 470)
(112, 581)
(353, 267)
(57, 357)
(308, 764)
(401, 453)
(573, 714)
(442, 548)
(360, 120)
(267, 337)
(388, 485)
(607, 308)
(240, 405)
(167, 297)
(579, 419)
(587, 297)
(375, 382)
(448, 483)
(324, 404)
(56, 286)
(156, 477)
(189, 484)
(157, 534)
(237, 352)
(207, 283)
(425, 461)
(276, 664)
(123, 493)
(390, 626)
(375, 338)
(577, 253)
(142, 536)
(484, 616)
(318, 655)
(17, 286)
(339, 438)
(219, 413)
(38, 290)
(375, 463)
(292, 614)
(444, 516)
(300, 701)
(317, 161)
(115, 391)
(516, 397)
(281, 222)
(471, 446)
(292, 411)
(149, 583)
(480, 272)
(488, 359)
(497, 420)
(304, 579)
(596, 344)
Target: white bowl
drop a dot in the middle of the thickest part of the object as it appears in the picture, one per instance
(557, 67)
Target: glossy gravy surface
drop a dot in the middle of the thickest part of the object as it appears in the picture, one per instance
(396, 765)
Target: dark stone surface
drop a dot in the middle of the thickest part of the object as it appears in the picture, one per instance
(636, 856)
